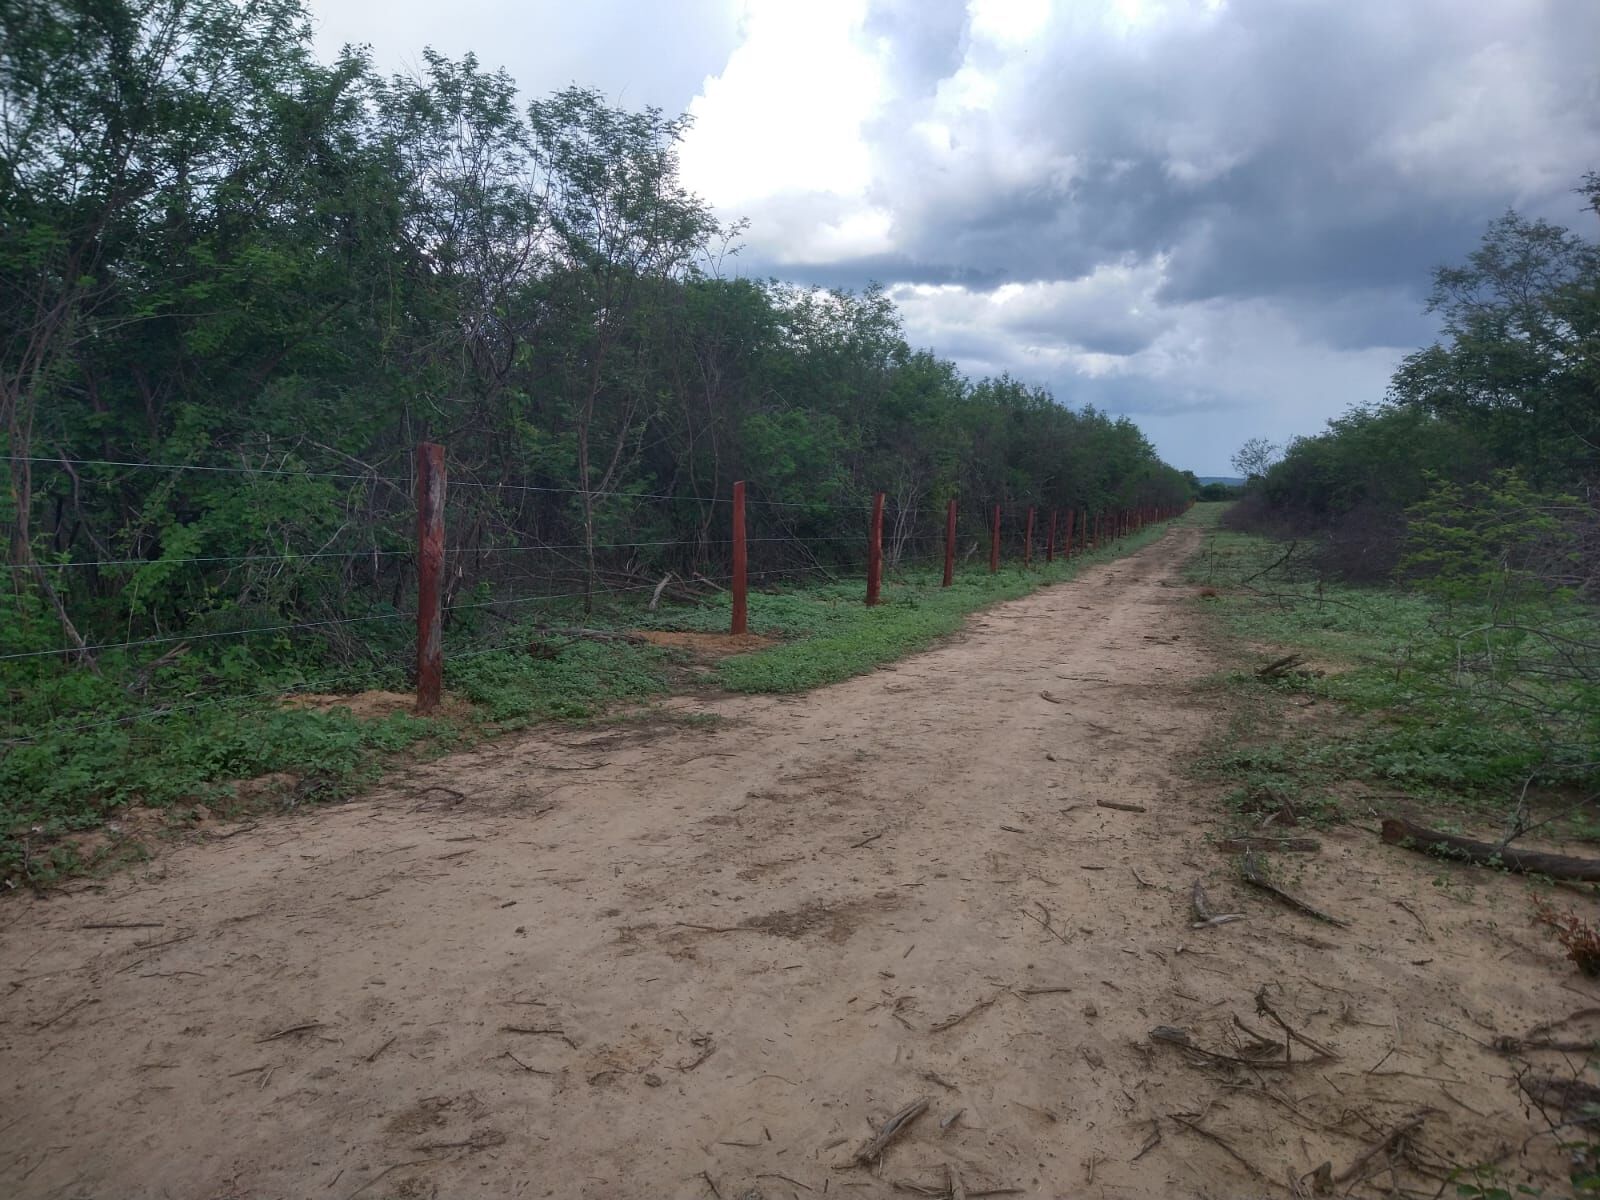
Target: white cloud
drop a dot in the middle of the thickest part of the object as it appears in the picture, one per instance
(787, 111)
(663, 56)
(1009, 22)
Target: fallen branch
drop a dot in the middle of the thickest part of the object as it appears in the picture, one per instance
(68, 1011)
(943, 1190)
(952, 1021)
(708, 1047)
(1150, 1143)
(283, 1033)
(1204, 918)
(1181, 1039)
(1229, 1150)
(1410, 1125)
(1398, 832)
(1251, 870)
(655, 596)
(1046, 923)
(891, 1129)
(1538, 1038)
(1573, 1099)
(1280, 668)
(1265, 1009)
(525, 1066)
(540, 1031)
(1120, 806)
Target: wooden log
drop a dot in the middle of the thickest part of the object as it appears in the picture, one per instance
(1399, 832)
(891, 1129)
(1279, 668)
(1255, 876)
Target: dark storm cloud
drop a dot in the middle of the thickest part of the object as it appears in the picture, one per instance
(925, 39)
(1269, 150)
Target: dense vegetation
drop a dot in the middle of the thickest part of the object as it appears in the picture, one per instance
(220, 255)
(238, 285)
(1469, 501)
(1510, 396)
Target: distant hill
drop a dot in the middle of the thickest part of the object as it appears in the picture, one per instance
(1230, 480)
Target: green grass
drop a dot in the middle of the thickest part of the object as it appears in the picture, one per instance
(828, 634)
(77, 749)
(1382, 663)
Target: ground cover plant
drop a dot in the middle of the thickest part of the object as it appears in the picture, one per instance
(190, 733)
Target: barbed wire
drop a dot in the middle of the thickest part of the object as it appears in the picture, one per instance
(895, 563)
(146, 466)
(199, 637)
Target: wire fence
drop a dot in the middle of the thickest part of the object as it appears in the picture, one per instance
(368, 572)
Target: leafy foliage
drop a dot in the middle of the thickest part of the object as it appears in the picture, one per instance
(58, 782)
(238, 285)
(1426, 708)
(1513, 385)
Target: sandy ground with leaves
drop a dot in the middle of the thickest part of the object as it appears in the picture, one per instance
(654, 960)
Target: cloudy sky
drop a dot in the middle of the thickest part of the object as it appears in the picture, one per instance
(1215, 216)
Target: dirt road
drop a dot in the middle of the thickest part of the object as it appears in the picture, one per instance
(668, 961)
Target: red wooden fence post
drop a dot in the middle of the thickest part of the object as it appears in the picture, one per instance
(430, 568)
(950, 544)
(1066, 541)
(741, 565)
(994, 543)
(875, 551)
(1050, 546)
(1027, 540)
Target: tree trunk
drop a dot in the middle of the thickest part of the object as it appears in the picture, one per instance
(1398, 832)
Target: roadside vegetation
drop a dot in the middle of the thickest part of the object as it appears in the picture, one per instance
(1442, 550)
(1413, 602)
(239, 285)
(1423, 700)
(160, 749)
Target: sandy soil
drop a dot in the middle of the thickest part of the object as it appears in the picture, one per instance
(658, 961)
